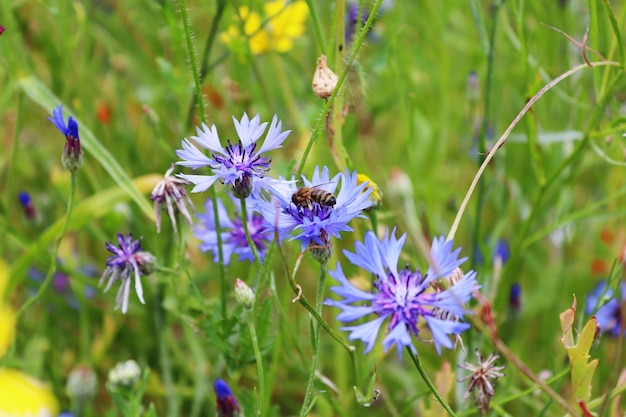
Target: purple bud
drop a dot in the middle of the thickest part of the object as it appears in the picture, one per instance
(515, 298)
(227, 405)
(501, 251)
(27, 205)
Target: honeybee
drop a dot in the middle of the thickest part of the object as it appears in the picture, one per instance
(306, 196)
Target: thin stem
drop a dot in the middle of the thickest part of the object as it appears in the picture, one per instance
(53, 262)
(420, 368)
(198, 86)
(204, 70)
(482, 145)
(251, 244)
(259, 363)
(319, 301)
(321, 119)
(506, 134)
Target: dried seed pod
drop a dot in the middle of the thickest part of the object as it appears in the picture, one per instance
(324, 79)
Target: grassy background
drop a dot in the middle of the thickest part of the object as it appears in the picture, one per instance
(122, 69)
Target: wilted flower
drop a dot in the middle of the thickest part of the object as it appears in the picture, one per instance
(315, 224)
(481, 384)
(233, 234)
(72, 155)
(227, 405)
(283, 22)
(610, 308)
(405, 297)
(169, 191)
(324, 79)
(125, 374)
(127, 261)
(239, 164)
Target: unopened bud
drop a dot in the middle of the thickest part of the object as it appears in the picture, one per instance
(244, 294)
(125, 374)
(400, 184)
(82, 383)
(324, 79)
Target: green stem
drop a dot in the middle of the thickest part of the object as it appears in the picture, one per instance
(251, 244)
(505, 136)
(198, 86)
(322, 117)
(259, 364)
(204, 70)
(420, 368)
(319, 301)
(53, 262)
(482, 143)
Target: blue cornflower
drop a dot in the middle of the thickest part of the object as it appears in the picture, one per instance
(232, 233)
(72, 157)
(227, 405)
(405, 297)
(127, 261)
(240, 163)
(315, 224)
(608, 314)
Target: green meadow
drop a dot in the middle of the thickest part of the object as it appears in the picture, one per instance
(497, 125)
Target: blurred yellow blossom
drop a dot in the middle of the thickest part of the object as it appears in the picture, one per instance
(376, 196)
(284, 21)
(23, 396)
(20, 395)
(7, 315)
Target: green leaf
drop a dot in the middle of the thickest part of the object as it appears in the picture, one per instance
(578, 352)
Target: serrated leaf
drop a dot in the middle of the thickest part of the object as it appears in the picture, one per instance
(578, 353)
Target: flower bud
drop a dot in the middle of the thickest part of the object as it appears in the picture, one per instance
(324, 79)
(227, 405)
(125, 374)
(82, 383)
(244, 294)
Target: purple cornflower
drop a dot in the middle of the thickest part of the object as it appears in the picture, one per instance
(405, 297)
(315, 224)
(127, 261)
(232, 233)
(227, 405)
(237, 165)
(72, 154)
(609, 308)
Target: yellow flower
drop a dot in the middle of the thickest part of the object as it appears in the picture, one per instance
(376, 196)
(7, 315)
(20, 395)
(283, 23)
(23, 396)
